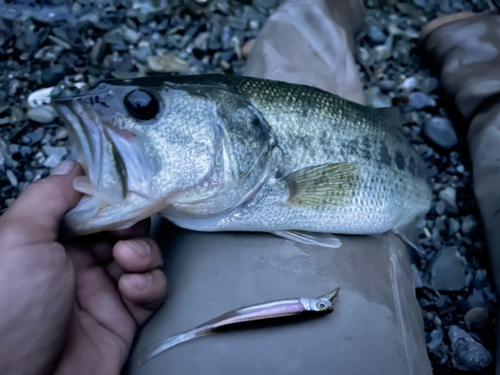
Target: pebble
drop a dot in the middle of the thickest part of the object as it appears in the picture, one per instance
(409, 84)
(453, 226)
(53, 75)
(54, 155)
(417, 279)
(446, 271)
(12, 177)
(469, 225)
(436, 339)
(449, 196)
(44, 114)
(375, 34)
(440, 208)
(25, 151)
(476, 318)
(419, 100)
(130, 35)
(467, 353)
(439, 131)
(143, 52)
(376, 99)
(36, 136)
(167, 64)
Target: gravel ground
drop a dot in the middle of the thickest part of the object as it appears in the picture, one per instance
(453, 279)
(74, 47)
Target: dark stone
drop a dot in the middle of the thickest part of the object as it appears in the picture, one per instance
(468, 354)
(53, 75)
(419, 100)
(375, 34)
(446, 271)
(439, 130)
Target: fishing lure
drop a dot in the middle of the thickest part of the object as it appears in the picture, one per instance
(268, 310)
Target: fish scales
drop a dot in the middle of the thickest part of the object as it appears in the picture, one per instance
(245, 154)
(336, 131)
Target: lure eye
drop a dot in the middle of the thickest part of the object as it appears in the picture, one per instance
(321, 305)
(141, 105)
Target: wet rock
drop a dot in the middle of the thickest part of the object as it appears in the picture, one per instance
(12, 177)
(440, 208)
(99, 51)
(44, 114)
(446, 271)
(476, 318)
(453, 226)
(36, 136)
(417, 279)
(439, 130)
(53, 75)
(167, 64)
(376, 99)
(387, 85)
(130, 35)
(409, 84)
(419, 100)
(143, 52)
(375, 34)
(449, 196)
(467, 353)
(25, 151)
(436, 339)
(469, 225)
(54, 155)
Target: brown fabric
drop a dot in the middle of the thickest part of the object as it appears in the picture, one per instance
(466, 53)
(310, 42)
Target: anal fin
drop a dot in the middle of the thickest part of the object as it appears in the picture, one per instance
(409, 234)
(310, 238)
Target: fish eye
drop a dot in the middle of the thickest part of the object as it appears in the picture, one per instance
(141, 105)
(321, 305)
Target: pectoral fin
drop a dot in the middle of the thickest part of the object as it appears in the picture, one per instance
(327, 184)
(310, 238)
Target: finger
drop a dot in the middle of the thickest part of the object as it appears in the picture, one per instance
(138, 254)
(35, 216)
(115, 271)
(143, 293)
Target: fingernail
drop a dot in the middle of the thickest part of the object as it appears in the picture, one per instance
(63, 168)
(141, 281)
(140, 247)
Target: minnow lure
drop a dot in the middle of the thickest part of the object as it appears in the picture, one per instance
(262, 311)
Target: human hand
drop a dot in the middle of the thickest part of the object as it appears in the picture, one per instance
(72, 308)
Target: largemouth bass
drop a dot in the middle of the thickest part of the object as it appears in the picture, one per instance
(230, 153)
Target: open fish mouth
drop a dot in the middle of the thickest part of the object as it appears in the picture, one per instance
(92, 146)
(106, 153)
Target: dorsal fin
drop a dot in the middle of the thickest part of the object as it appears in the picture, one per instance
(390, 116)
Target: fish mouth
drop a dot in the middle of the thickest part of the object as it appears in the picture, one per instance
(106, 154)
(93, 148)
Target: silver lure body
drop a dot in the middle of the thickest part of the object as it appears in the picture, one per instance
(262, 311)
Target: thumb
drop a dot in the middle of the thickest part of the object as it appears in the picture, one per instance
(35, 216)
